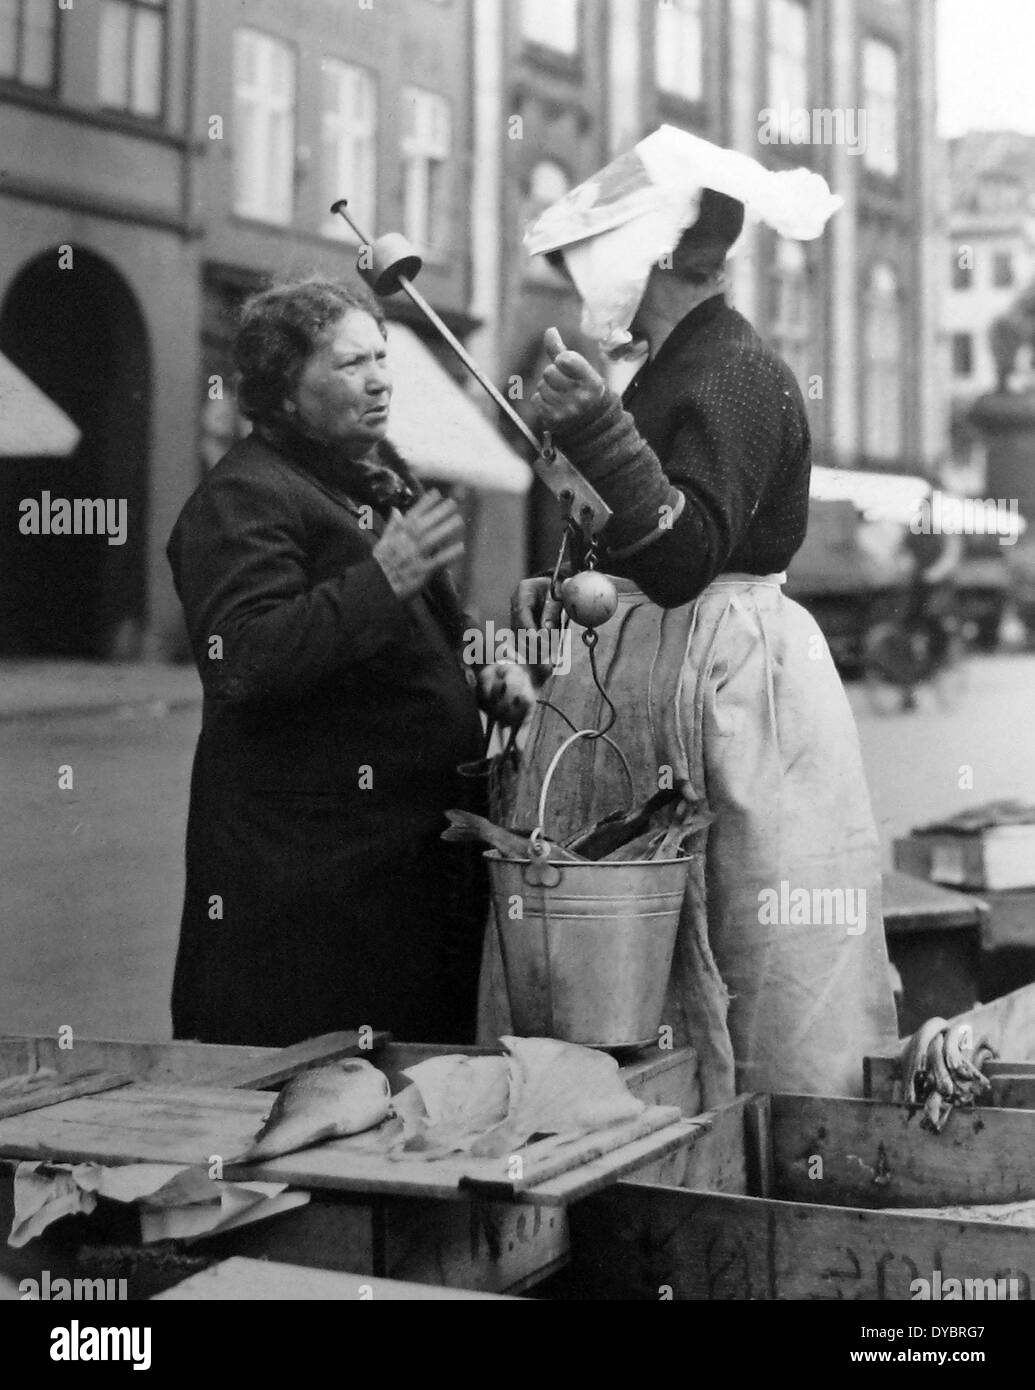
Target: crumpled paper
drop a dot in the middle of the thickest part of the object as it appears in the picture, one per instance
(616, 226)
(175, 1202)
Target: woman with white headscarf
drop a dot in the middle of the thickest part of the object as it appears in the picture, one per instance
(722, 685)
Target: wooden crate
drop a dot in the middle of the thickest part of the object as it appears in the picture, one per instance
(804, 1197)
(473, 1242)
(1009, 1025)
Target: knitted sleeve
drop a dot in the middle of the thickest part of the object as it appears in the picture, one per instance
(678, 519)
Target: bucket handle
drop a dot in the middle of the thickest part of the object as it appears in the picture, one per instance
(537, 835)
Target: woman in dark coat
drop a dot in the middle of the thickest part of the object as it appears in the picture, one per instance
(326, 630)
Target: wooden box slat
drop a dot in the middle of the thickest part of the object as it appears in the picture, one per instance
(243, 1280)
(649, 1242)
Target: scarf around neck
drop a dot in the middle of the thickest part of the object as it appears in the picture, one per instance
(382, 482)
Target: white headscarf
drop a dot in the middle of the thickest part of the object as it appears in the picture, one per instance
(615, 227)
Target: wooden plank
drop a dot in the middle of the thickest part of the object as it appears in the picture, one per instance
(160, 1062)
(241, 1279)
(758, 1142)
(912, 904)
(716, 1156)
(359, 1164)
(644, 1242)
(1011, 920)
(58, 1090)
(496, 1247)
(1012, 1091)
(554, 1156)
(593, 1173)
(139, 1124)
(874, 1154)
(263, 1074)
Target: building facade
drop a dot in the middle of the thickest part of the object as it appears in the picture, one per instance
(177, 155)
(989, 266)
(182, 152)
(99, 304)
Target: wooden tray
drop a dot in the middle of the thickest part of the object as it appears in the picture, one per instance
(197, 1125)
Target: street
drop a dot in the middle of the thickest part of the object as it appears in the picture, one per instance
(92, 874)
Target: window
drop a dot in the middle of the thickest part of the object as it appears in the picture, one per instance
(880, 104)
(882, 364)
(548, 182)
(552, 23)
(425, 150)
(788, 56)
(132, 56)
(28, 42)
(792, 310)
(1002, 270)
(962, 354)
(349, 146)
(962, 270)
(679, 48)
(264, 127)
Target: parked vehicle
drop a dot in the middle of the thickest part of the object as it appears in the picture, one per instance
(854, 568)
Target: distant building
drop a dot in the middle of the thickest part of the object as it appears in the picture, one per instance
(99, 304)
(990, 263)
(162, 159)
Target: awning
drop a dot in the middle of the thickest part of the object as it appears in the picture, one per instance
(437, 427)
(897, 497)
(31, 425)
(878, 496)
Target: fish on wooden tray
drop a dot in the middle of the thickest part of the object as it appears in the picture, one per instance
(328, 1102)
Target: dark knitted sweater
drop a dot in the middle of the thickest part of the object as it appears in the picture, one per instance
(707, 467)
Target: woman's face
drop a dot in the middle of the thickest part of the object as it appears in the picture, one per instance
(343, 392)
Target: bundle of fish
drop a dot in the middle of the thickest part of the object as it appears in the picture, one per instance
(485, 1106)
(659, 829)
(941, 1069)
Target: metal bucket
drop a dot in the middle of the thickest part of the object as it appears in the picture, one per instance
(587, 948)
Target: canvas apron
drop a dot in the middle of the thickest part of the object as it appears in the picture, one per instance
(780, 979)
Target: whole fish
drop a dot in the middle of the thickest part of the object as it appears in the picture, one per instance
(325, 1102)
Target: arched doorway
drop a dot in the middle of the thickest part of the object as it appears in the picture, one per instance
(79, 334)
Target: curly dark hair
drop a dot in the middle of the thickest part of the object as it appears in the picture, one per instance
(279, 330)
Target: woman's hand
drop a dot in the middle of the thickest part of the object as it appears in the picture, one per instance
(506, 693)
(532, 608)
(570, 389)
(416, 545)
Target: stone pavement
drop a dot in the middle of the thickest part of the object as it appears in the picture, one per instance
(35, 689)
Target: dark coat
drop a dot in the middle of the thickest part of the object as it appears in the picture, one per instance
(319, 895)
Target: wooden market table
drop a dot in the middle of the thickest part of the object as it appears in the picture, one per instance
(430, 1224)
(934, 940)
